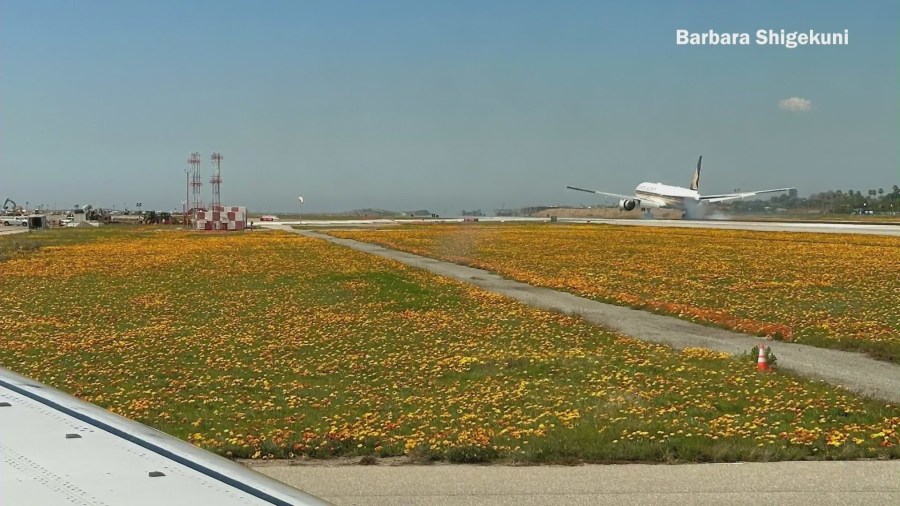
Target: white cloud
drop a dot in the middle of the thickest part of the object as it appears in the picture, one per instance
(795, 104)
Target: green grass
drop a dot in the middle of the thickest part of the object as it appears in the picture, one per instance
(826, 290)
(274, 345)
(14, 245)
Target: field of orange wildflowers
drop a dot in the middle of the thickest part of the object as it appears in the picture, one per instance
(828, 290)
(269, 344)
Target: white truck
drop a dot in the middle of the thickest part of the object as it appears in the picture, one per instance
(14, 221)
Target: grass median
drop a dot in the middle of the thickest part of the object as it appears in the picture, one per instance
(827, 290)
(271, 345)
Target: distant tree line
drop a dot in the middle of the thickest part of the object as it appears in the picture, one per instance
(830, 202)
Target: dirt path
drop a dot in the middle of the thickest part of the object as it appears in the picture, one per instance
(853, 371)
(11, 230)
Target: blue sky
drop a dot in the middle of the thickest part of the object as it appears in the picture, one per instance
(437, 105)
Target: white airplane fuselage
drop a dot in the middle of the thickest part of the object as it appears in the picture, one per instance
(667, 196)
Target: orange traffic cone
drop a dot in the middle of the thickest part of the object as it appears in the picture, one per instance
(761, 363)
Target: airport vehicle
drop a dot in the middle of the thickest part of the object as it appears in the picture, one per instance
(14, 220)
(12, 214)
(156, 217)
(268, 217)
(689, 200)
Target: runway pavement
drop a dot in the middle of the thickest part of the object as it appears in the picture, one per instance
(784, 483)
(760, 226)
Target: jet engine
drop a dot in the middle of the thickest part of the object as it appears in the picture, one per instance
(628, 204)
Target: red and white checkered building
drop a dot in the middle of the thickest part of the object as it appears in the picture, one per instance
(221, 218)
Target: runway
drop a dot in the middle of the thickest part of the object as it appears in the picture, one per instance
(759, 226)
(751, 484)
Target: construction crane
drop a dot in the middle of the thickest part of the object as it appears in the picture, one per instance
(10, 210)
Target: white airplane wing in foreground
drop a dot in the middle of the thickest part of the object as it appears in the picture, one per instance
(56, 449)
(642, 201)
(732, 196)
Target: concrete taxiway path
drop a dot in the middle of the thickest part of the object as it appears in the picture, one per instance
(785, 483)
(854, 371)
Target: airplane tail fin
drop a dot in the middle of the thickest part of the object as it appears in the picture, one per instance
(695, 181)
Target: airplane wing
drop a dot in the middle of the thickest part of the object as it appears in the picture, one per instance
(731, 196)
(639, 200)
(604, 193)
(57, 449)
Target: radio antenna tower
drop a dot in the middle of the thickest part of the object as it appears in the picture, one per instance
(216, 181)
(196, 183)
